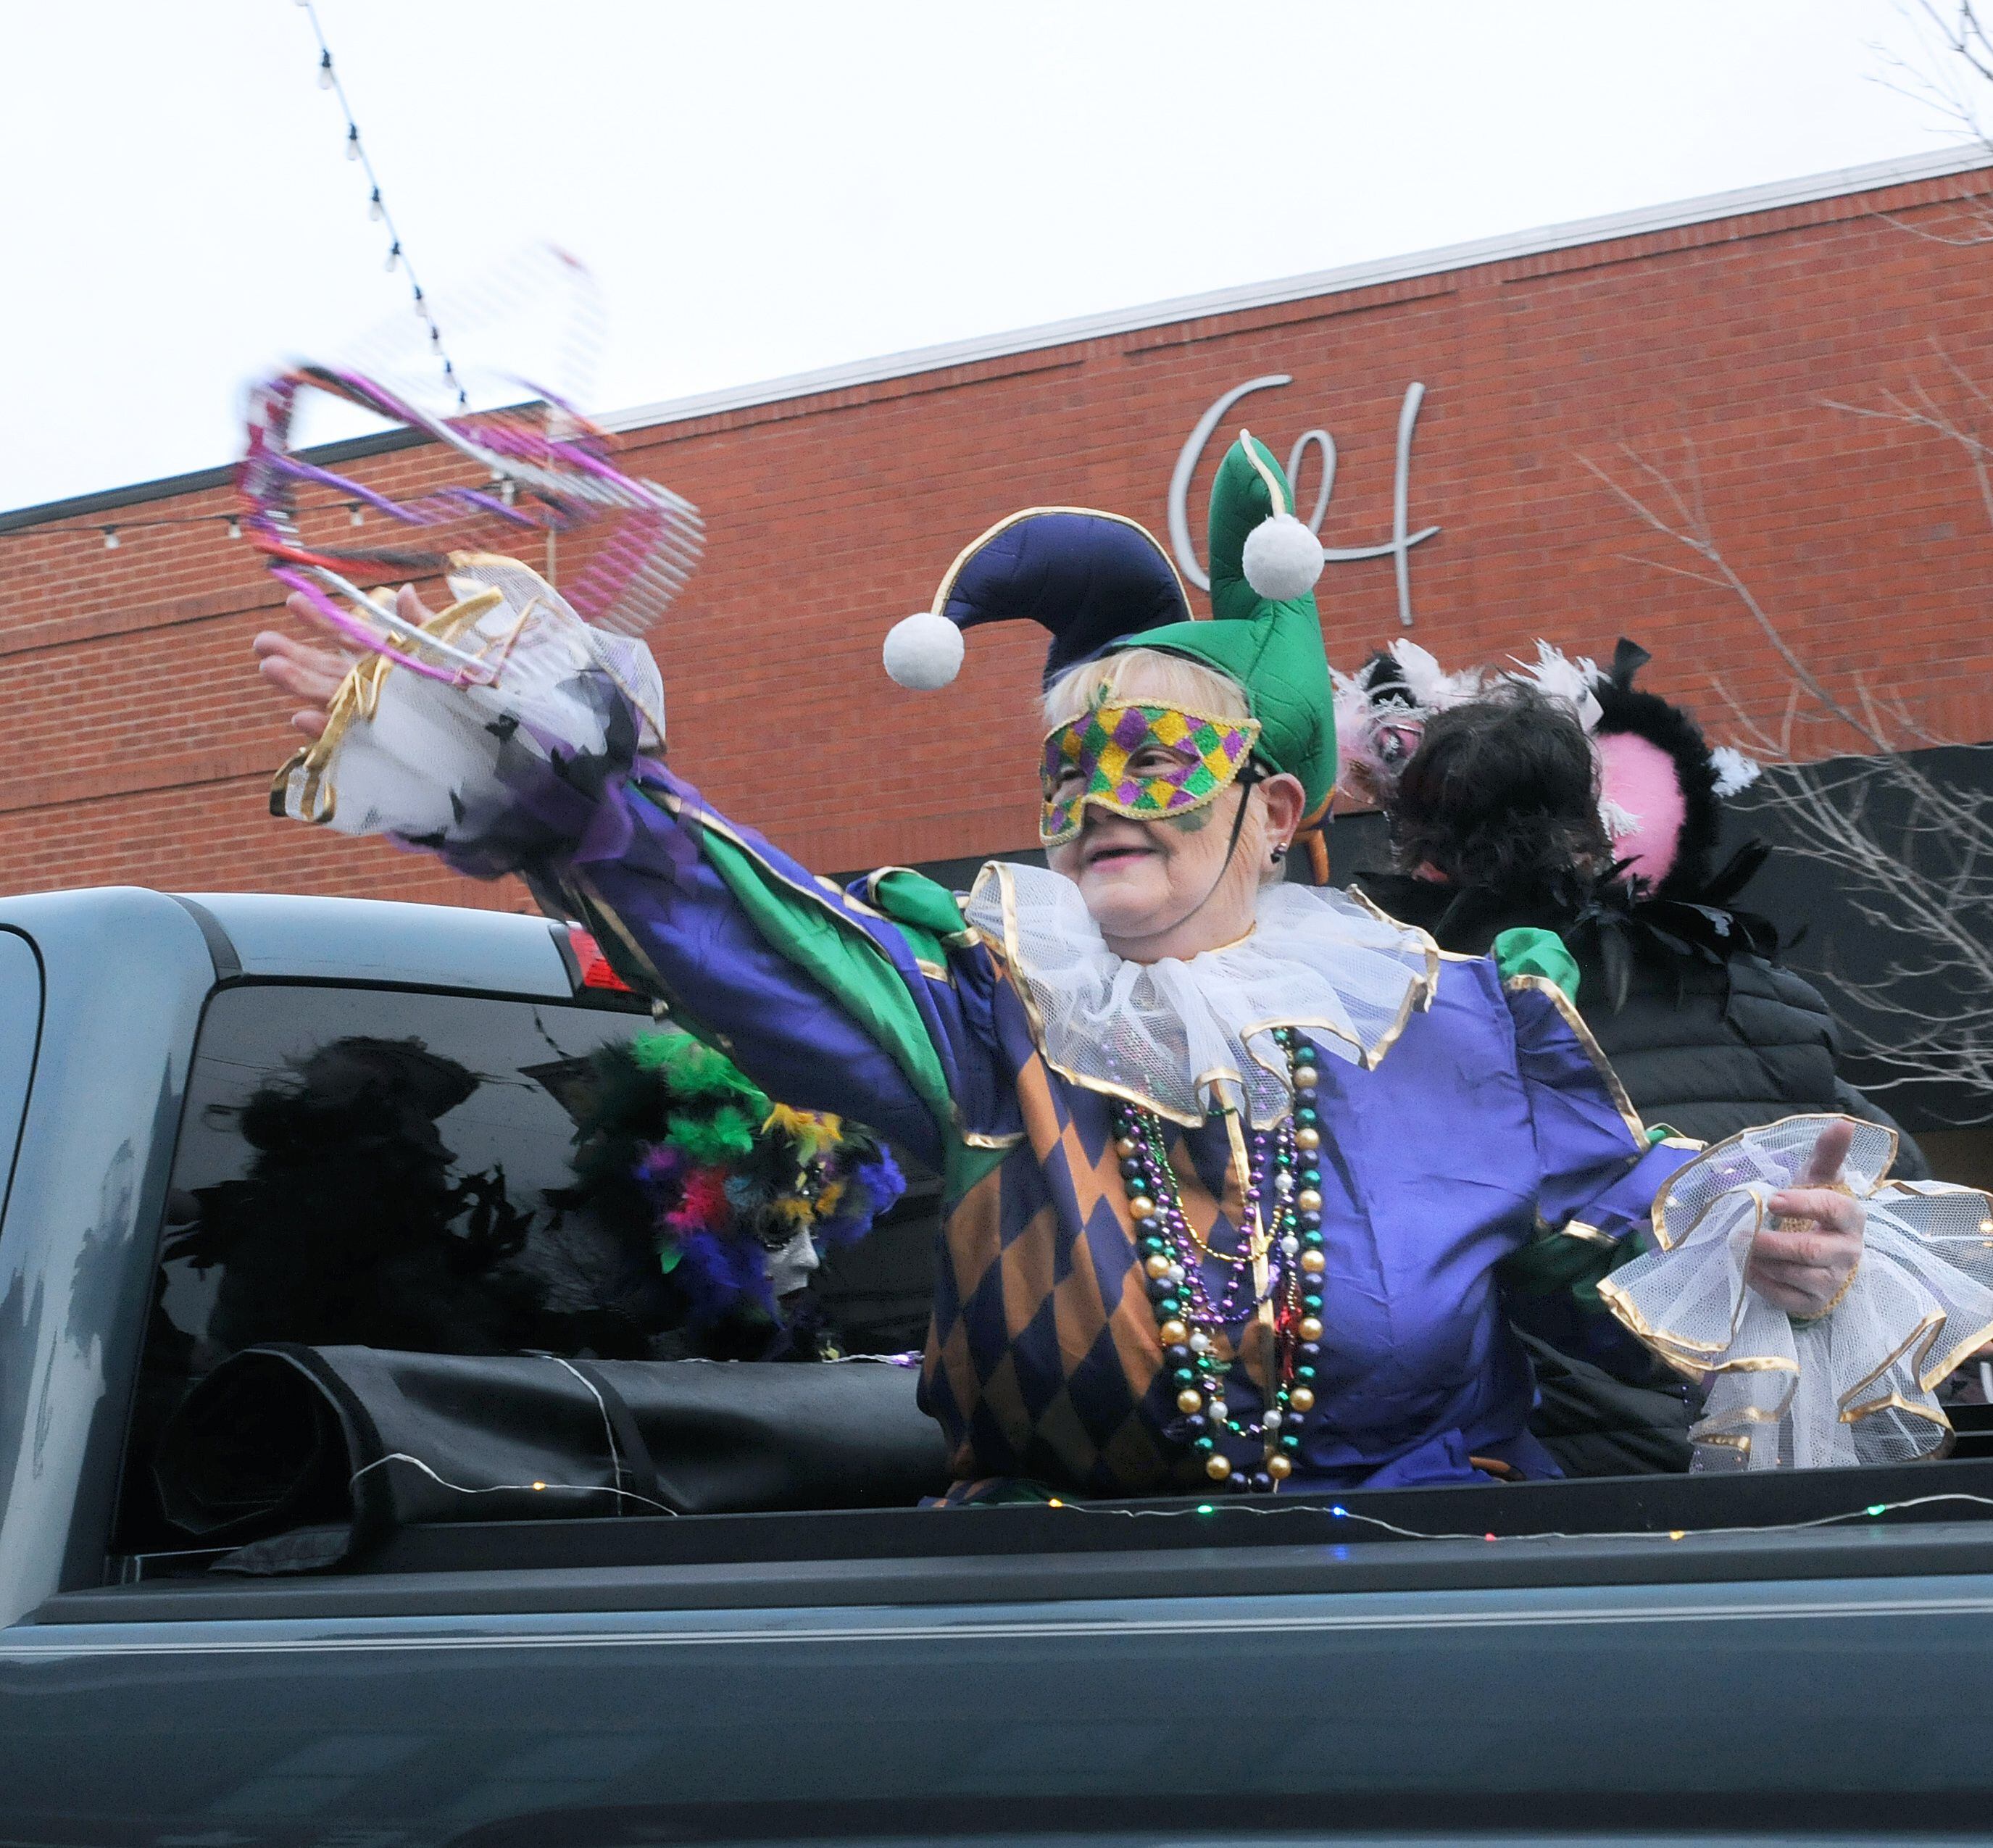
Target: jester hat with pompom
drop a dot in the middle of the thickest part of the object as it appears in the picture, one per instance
(1101, 584)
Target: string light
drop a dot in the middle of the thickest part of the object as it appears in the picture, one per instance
(1275, 1509)
(353, 516)
(377, 206)
(111, 538)
(506, 1488)
(125, 527)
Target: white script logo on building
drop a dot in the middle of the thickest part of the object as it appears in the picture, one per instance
(1398, 547)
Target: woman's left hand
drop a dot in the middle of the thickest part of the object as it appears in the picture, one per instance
(1802, 1261)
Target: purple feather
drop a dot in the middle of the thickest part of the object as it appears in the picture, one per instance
(722, 1274)
(661, 1172)
(869, 1189)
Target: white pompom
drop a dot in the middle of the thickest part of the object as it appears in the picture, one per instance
(1282, 559)
(1733, 770)
(924, 651)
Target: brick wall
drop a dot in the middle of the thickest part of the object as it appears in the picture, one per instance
(137, 742)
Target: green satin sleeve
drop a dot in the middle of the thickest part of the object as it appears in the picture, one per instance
(1529, 951)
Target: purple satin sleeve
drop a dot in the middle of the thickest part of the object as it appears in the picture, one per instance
(670, 924)
(1596, 1168)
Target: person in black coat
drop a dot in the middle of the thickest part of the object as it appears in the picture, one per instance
(1507, 813)
(1496, 823)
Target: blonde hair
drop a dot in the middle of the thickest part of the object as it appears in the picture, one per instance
(1149, 677)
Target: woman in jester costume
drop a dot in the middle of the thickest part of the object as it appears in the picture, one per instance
(1238, 1172)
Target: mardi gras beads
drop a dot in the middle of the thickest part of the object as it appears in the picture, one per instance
(1281, 1245)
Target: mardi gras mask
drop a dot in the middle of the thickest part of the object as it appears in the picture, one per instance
(1149, 762)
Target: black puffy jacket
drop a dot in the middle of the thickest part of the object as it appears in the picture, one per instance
(1708, 1044)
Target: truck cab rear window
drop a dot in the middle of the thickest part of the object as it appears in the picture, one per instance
(394, 1169)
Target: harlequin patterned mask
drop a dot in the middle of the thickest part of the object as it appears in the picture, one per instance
(1149, 762)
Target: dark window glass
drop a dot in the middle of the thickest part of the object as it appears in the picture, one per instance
(393, 1169)
(371, 1167)
(379, 1168)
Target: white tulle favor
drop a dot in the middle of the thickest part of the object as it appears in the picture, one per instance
(1854, 1386)
(1186, 1038)
(402, 754)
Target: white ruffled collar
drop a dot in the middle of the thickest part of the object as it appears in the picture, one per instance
(1184, 1039)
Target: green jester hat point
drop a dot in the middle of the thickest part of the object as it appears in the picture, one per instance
(1267, 635)
(1101, 584)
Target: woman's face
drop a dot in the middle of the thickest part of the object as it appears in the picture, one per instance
(1160, 885)
(1144, 878)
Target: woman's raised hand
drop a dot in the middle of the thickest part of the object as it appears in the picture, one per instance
(1802, 1261)
(303, 671)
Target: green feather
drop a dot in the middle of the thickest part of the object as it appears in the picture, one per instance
(727, 1135)
(691, 1070)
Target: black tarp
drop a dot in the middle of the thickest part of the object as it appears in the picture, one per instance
(302, 1457)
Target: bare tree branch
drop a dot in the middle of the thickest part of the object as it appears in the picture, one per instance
(1912, 855)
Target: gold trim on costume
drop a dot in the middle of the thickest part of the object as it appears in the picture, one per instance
(1577, 1228)
(1417, 994)
(1589, 1046)
(1931, 1414)
(706, 819)
(939, 606)
(1007, 949)
(1922, 1332)
(1434, 954)
(1915, 1352)
(1281, 502)
(595, 902)
(1657, 1214)
(1955, 1358)
(1692, 1358)
(357, 698)
(872, 878)
(963, 939)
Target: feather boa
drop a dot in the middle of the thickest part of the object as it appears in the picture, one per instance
(721, 1176)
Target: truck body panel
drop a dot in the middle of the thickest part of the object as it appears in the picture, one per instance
(1037, 1674)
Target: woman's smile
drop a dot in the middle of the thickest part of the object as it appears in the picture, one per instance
(1109, 854)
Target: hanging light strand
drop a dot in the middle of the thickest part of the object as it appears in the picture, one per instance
(396, 255)
(109, 535)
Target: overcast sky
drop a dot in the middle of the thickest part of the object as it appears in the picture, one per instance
(762, 189)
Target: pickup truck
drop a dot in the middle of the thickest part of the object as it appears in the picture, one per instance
(1788, 1655)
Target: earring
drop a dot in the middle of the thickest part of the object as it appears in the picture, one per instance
(1280, 853)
